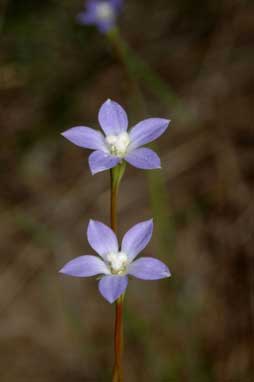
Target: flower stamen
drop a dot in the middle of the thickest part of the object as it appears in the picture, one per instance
(117, 262)
(105, 12)
(118, 144)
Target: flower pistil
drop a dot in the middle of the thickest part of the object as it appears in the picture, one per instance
(118, 144)
(105, 11)
(117, 262)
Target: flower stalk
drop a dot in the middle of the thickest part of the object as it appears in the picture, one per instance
(118, 341)
(116, 175)
(117, 261)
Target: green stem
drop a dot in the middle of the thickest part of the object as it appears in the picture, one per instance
(113, 203)
(116, 175)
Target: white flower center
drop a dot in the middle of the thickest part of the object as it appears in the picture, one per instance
(104, 11)
(117, 262)
(118, 144)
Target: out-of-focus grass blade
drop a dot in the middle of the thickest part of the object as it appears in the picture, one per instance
(139, 70)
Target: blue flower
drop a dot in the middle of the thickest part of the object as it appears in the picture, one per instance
(102, 13)
(118, 143)
(115, 264)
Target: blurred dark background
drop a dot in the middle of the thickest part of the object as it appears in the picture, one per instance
(55, 74)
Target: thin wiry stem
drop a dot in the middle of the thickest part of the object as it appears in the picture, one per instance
(118, 337)
(113, 202)
(118, 341)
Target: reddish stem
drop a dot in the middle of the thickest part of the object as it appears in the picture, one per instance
(118, 336)
(118, 341)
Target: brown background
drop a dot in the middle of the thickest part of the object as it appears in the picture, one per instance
(196, 326)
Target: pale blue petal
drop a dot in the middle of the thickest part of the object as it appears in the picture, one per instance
(147, 131)
(117, 4)
(143, 158)
(86, 18)
(85, 137)
(137, 238)
(90, 15)
(91, 5)
(148, 268)
(112, 287)
(101, 161)
(85, 266)
(101, 238)
(112, 117)
(105, 25)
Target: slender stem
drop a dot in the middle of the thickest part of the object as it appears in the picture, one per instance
(113, 203)
(118, 337)
(118, 342)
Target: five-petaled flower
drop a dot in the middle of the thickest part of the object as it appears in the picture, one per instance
(101, 13)
(115, 264)
(118, 143)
